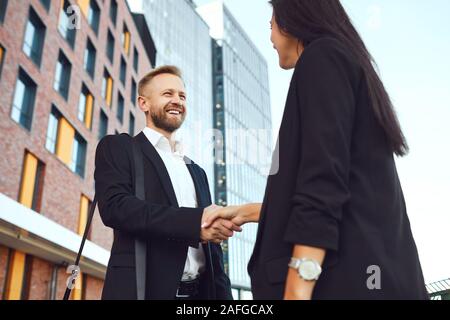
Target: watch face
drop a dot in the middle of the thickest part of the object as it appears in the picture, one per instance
(308, 270)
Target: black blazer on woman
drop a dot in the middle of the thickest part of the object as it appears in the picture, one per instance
(336, 188)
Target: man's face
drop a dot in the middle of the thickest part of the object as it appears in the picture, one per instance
(166, 99)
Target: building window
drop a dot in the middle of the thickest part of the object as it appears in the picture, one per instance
(218, 61)
(79, 292)
(91, 11)
(123, 70)
(17, 276)
(94, 16)
(32, 182)
(34, 38)
(126, 39)
(133, 92)
(85, 203)
(79, 155)
(120, 108)
(107, 87)
(103, 126)
(67, 23)
(113, 11)
(89, 58)
(65, 142)
(135, 60)
(85, 107)
(62, 75)
(46, 4)
(2, 58)
(24, 98)
(52, 130)
(110, 47)
(131, 127)
(18, 267)
(3, 6)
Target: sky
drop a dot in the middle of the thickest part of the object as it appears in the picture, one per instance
(410, 41)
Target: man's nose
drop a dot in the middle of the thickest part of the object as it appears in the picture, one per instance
(177, 100)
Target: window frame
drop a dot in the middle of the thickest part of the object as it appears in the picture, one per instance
(88, 106)
(97, 11)
(36, 48)
(70, 34)
(136, 60)
(3, 10)
(90, 58)
(110, 50)
(113, 14)
(131, 124)
(123, 70)
(65, 75)
(120, 108)
(103, 116)
(30, 105)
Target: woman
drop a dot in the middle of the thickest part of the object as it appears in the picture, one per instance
(335, 205)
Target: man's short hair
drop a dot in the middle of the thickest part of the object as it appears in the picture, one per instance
(161, 70)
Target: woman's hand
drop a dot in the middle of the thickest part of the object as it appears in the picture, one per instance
(239, 215)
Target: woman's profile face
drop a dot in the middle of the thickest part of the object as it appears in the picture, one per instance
(288, 47)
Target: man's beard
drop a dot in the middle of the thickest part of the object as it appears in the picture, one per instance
(161, 120)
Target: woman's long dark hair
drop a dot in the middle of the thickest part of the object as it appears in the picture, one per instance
(308, 20)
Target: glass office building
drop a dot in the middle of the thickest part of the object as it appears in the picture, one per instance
(242, 114)
(182, 39)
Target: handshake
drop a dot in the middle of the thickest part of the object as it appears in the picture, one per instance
(220, 223)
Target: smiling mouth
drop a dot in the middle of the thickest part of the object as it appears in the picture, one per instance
(174, 112)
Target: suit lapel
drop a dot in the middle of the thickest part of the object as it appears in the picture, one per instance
(200, 188)
(150, 152)
(202, 192)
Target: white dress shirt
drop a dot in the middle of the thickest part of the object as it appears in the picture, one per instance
(184, 190)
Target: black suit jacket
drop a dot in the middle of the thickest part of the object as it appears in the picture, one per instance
(158, 221)
(336, 188)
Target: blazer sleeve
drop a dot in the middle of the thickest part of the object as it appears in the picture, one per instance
(121, 210)
(221, 280)
(326, 100)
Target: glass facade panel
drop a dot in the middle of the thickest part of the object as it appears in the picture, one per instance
(186, 43)
(242, 114)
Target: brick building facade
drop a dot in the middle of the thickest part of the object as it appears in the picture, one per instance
(62, 89)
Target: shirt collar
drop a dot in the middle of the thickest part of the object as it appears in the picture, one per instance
(159, 141)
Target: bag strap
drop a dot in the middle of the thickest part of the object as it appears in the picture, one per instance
(75, 271)
(140, 246)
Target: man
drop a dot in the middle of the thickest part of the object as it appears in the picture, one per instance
(175, 258)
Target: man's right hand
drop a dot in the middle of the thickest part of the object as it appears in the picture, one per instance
(238, 215)
(219, 230)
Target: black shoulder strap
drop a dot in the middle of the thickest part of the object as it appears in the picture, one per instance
(140, 246)
(75, 271)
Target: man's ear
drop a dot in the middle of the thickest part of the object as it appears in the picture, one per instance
(143, 104)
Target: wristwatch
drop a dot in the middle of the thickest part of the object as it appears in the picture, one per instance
(308, 269)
